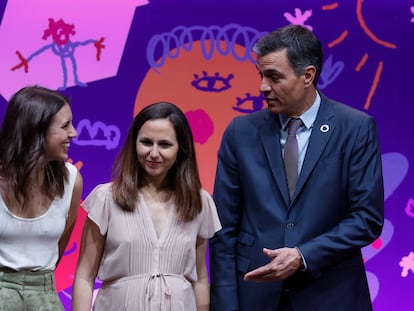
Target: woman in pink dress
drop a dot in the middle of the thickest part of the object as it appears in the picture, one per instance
(146, 232)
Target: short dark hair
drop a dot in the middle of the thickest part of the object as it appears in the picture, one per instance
(303, 48)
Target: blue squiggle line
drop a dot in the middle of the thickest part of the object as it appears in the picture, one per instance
(71, 250)
(212, 38)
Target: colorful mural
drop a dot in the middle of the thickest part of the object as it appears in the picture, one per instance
(114, 57)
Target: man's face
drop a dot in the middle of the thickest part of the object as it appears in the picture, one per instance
(282, 89)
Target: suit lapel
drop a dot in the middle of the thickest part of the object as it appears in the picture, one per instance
(322, 131)
(270, 136)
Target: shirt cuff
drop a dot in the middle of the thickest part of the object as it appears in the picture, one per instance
(304, 265)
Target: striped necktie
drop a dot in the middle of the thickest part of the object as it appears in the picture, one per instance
(291, 155)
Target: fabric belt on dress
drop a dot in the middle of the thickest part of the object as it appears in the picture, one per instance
(152, 279)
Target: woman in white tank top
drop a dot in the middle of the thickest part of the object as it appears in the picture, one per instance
(40, 194)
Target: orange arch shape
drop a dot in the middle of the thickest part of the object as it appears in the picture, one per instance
(367, 30)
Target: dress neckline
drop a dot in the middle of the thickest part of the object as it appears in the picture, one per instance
(165, 230)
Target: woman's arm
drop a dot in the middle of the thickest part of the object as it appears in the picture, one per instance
(90, 255)
(201, 287)
(72, 215)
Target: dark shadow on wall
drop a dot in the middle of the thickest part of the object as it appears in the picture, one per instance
(3, 4)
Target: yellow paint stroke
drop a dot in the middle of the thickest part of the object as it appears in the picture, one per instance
(339, 39)
(367, 30)
(374, 85)
(361, 62)
(331, 6)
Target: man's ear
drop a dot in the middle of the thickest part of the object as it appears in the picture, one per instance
(309, 75)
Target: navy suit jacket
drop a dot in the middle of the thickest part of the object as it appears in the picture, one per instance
(337, 209)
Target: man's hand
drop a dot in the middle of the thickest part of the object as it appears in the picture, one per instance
(284, 263)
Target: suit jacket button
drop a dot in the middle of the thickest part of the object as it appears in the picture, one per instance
(290, 225)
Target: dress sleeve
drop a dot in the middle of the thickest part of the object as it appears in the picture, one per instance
(97, 205)
(209, 220)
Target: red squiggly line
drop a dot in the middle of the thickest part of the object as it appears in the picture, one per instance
(367, 30)
(78, 164)
(331, 6)
(338, 40)
(361, 62)
(23, 63)
(374, 85)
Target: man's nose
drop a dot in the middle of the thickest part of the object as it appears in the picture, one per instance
(264, 85)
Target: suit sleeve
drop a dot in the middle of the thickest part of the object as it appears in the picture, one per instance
(227, 195)
(364, 204)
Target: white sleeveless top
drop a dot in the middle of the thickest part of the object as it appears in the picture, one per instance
(32, 243)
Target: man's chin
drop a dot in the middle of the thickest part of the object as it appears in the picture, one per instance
(274, 108)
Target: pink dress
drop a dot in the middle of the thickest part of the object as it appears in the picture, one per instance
(139, 270)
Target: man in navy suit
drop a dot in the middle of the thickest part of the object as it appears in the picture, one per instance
(301, 253)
